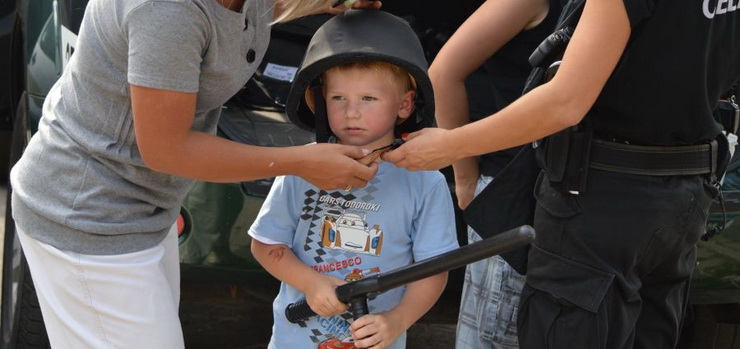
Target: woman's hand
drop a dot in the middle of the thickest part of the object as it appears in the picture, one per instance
(428, 149)
(334, 7)
(321, 296)
(341, 5)
(335, 166)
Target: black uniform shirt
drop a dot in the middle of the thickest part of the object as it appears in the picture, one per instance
(682, 55)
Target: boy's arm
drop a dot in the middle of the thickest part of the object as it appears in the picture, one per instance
(320, 290)
(381, 330)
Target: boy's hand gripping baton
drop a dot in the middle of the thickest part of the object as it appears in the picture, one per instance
(357, 292)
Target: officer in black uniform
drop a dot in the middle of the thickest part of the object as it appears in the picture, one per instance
(630, 168)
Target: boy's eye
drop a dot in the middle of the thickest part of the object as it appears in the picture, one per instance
(336, 98)
(368, 98)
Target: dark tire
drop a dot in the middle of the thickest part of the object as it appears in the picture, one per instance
(21, 324)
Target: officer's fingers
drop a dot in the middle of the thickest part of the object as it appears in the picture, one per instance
(402, 160)
(395, 156)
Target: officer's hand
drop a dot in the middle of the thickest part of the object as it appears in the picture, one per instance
(428, 149)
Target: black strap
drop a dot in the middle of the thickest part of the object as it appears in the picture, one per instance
(653, 160)
(571, 13)
(321, 120)
(551, 49)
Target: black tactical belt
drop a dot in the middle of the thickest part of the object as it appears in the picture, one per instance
(653, 160)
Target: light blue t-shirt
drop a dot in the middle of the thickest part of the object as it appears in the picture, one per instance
(399, 218)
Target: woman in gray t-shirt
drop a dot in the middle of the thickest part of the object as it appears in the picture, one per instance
(125, 132)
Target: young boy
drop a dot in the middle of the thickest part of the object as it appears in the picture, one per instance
(314, 240)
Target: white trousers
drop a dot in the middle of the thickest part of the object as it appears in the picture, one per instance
(111, 301)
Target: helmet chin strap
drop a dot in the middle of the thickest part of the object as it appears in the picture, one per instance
(321, 120)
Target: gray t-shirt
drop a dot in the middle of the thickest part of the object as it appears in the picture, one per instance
(81, 184)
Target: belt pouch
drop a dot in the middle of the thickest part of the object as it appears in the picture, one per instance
(565, 159)
(556, 155)
(578, 159)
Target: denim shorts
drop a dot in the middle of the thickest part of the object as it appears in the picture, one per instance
(490, 300)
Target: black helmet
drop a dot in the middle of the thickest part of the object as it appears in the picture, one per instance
(360, 35)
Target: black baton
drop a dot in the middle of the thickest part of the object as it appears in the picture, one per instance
(357, 292)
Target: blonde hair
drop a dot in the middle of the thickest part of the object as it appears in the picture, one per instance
(401, 76)
(293, 9)
(403, 79)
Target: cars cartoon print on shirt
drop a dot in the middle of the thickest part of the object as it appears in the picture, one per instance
(349, 231)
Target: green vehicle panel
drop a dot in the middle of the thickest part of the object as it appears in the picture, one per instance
(716, 278)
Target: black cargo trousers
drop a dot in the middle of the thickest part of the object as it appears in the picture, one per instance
(610, 267)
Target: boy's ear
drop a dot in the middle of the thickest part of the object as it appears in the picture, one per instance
(407, 104)
(308, 98)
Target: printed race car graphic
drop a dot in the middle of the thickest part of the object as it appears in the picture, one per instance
(358, 274)
(334, 343)
(349, 231)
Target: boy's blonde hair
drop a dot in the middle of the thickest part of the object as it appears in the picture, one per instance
(293, 9)
(401, 77)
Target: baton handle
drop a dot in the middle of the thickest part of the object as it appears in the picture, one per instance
(298, 311)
